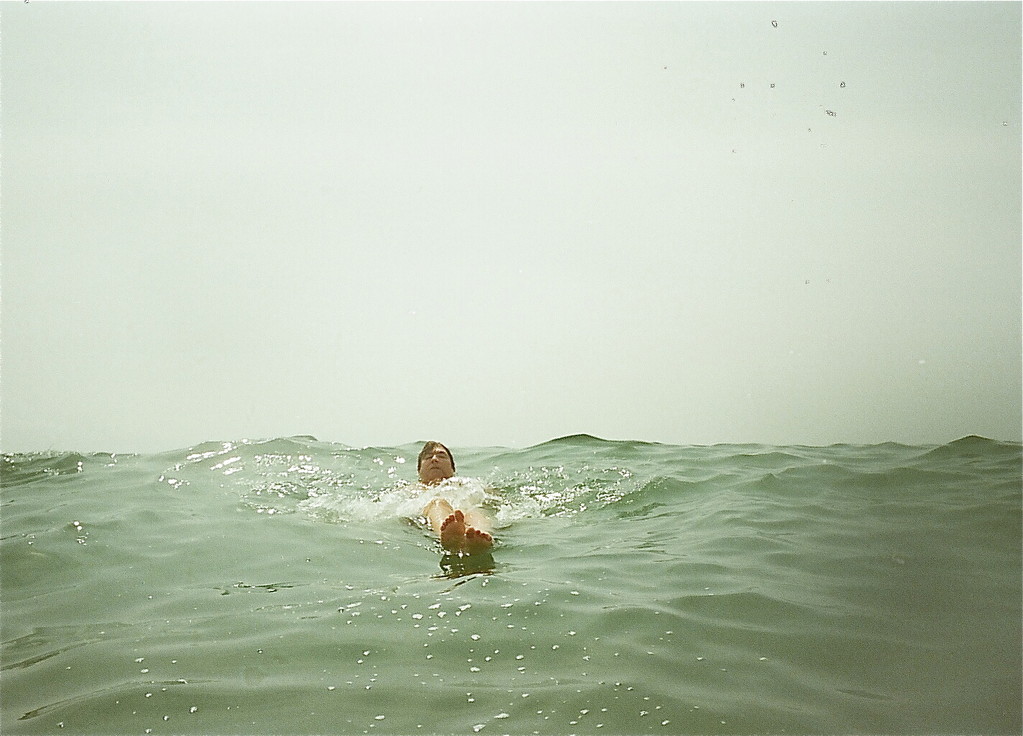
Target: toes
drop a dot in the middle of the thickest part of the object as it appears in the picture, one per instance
(456, 518)
(476, 541)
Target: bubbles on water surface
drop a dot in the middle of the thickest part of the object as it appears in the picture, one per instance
(503, 638)
(81, 536)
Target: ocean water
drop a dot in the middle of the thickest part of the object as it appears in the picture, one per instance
(285, 586)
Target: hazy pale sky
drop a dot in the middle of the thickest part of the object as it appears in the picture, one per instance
(499, 223)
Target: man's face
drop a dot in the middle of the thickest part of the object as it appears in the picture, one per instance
(436, 466)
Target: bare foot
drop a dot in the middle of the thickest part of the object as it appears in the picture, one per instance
(476, 541)
(452, 532)
(455, 536)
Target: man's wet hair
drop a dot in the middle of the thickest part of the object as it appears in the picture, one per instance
(430, 447)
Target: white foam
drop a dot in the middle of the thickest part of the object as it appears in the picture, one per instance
(406, 500)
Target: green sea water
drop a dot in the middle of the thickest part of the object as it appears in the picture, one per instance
(284, 586)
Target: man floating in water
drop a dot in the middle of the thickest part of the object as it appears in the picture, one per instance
(463, 531)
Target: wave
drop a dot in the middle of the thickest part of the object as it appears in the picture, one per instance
(974, 446)
(21, 468)
(565, 476)
(589, 439)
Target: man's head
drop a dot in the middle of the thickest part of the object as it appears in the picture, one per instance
(435, 463)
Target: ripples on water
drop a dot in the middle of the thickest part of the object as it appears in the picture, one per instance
(272, 587)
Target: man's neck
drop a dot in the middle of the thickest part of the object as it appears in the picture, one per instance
(435, 481)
